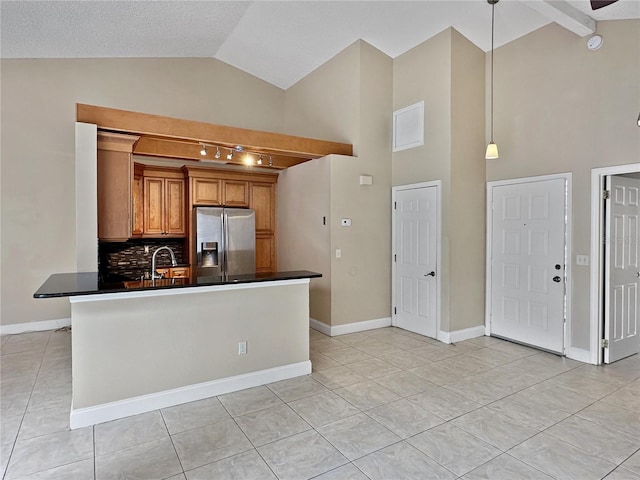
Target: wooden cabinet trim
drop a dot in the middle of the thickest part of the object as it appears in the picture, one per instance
(200, 172)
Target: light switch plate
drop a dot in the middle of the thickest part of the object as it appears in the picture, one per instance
(582, 260)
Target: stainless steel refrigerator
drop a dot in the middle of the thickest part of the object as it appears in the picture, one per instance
(225, 241)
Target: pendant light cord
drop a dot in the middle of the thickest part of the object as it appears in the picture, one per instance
(493, 9)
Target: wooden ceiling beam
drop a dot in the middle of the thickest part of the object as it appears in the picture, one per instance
(157, 126)
(181, 150)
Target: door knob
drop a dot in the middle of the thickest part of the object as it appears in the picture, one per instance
(557, 279)
(430, 274)
(558, 267)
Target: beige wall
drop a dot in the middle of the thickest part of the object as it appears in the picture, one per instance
(560, 107)
(468, 186)
(351, 95)
(126, 348)
(37, 149)
(304, 240)
(447, 72)
(424, 73)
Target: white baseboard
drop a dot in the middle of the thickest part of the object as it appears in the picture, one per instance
(579, 354)
(349, 327)
(320, 326)
(16, 328)
(461, 335)
(84, 417)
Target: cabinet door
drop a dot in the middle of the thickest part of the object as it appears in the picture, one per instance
(137, 208)
(153, 206)
(174, 207)
(235, 193)
(205, 191)
(265, 253)
(180, 272)
(114, 195)
(263, 202)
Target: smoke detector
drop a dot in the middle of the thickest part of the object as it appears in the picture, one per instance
(594, 42)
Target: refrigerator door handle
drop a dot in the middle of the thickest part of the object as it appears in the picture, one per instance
(225, 239)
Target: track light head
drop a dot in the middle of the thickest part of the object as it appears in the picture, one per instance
(203, 151)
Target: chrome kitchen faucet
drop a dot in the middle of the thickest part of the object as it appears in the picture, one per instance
(154, 275)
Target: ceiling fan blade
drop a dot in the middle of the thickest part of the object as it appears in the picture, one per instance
(596, 4)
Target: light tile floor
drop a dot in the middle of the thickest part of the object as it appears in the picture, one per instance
(383, 404)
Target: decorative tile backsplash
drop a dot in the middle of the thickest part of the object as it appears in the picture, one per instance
(128, 259)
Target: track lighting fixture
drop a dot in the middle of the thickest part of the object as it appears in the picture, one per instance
(247, 156)
(639, 119)
(492, 148)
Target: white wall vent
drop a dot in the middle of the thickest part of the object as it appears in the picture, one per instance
(408, 127)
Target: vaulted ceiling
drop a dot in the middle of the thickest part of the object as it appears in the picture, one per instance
(278, 41)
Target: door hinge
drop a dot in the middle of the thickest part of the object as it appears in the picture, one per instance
(604, 343)
(395, 257)
(395, 205)
(606, 194)
(395, 311)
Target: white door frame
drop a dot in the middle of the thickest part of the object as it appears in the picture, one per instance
(413, 186)
(597, 259)
(568, 286)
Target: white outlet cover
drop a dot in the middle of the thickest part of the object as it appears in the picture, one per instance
(582, 260)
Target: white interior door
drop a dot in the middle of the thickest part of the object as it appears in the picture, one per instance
(527, 249)
(415, 260)
(622, 268)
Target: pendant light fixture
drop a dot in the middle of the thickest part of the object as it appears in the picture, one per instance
(492, 148)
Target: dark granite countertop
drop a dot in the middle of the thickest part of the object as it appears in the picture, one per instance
(89, 283)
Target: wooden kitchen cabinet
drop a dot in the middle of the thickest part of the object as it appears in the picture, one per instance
(206, 191)
(235, 193)
(232, 188)
(137, 201)
(263, 202)
(174, 272)
(114, 186)
(215, 191)
(265, 253)
(164, 208)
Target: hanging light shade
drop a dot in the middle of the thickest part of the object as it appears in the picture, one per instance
(492, 148)
(492, 151)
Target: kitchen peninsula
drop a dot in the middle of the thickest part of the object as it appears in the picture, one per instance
(179, 340)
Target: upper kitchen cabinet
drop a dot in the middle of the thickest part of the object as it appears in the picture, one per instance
(208, 188)
(235, 193)
(114, 186)
(263, 201)
(137, 201)
(205, 191)
(164, 203)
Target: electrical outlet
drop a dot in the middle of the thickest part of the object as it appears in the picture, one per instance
(146, 249)
(582, 260)
(242, 348)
